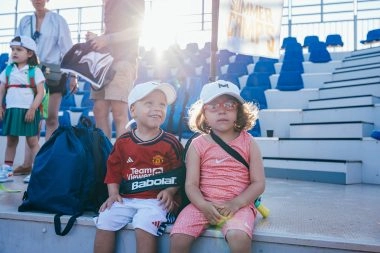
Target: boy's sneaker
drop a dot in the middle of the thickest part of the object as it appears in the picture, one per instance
(27, 179)
(6, 173)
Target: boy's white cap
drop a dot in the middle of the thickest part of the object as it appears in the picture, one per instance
(215, 89)
(26, 42)
(144, 89)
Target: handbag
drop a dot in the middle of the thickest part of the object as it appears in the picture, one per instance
(52, 72)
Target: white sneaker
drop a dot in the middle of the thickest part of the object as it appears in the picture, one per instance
(27, 179)
(6, 173)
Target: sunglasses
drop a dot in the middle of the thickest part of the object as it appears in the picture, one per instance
(228, 106)
(36, 35)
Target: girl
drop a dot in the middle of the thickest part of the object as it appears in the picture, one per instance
(220, 188)
(23, 96)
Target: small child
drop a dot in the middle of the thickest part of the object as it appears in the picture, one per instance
(22, 97)
(220, 188)
(143, 152)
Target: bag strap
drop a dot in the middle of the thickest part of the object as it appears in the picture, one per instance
(228, 149)
(70, 224)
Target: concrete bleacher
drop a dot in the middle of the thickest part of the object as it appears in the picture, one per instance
(336, 122)
(321, 134)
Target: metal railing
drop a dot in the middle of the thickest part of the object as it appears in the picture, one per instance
(351, 19)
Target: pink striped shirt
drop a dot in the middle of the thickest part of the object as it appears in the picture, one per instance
(222, 177)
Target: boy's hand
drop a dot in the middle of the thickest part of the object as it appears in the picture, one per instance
(166, 197)
(108, 203)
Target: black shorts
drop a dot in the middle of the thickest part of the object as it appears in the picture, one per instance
(55, 87)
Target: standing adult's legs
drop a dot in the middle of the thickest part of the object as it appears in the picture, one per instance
(120, 116)
(102, 116)
(52, 119)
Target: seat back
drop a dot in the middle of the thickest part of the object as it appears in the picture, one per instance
(334, 40)
(290, 81)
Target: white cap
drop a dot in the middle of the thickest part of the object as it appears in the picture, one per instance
(144, 89)
(215, 89)
(26, 42)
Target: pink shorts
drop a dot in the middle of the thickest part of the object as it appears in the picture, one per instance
(120, 86)
(191, 221)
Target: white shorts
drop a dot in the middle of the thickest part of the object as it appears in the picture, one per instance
(145, 214)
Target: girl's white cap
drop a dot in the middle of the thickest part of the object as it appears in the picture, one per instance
(144, 89)
(215, 89)
(26, 42)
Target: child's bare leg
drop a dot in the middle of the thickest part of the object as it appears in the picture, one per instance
(238, 241)
(145, 242)
(33, 145)
(104, 241)
(10, 151)
(181, 243)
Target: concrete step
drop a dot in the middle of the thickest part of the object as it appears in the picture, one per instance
(361, 60)
(357, 71)
(299, 99)
(352, 81)
(364, 149)
(352, 129)
(279, 120)
(316, 170)
(343, 101)
(310, 80)
(350, 90)
(364, 113)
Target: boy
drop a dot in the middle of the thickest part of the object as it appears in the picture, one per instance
(139, 155)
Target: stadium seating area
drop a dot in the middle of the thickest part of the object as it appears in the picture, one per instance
(189, 68)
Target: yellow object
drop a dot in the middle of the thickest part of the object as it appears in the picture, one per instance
(263, 210)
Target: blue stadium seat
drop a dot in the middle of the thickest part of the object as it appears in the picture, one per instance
(257, 79)
(223, 57)
(233, 78)
(290, 81)
(309, 40)
(4, 58)
(64, 118)
(319, 53)
(255, 95)
(67, 102)
(264, 67)
(87, 102)
(372, 36)
(375, 134)
(247, 59)
(292, 65)
(287, 41)
(256, 131)
(334, 40)
(237, 68)
(293, 52)
(262, 58)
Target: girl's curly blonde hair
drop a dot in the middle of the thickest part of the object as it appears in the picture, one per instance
(247, 115)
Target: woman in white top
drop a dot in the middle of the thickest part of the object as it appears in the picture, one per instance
(51, 33)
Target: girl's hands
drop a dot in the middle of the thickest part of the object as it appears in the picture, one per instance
(227, 208)
(108, 203)
(212, 214)
(29, 116)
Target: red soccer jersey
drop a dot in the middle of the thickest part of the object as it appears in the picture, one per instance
(132, 158)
